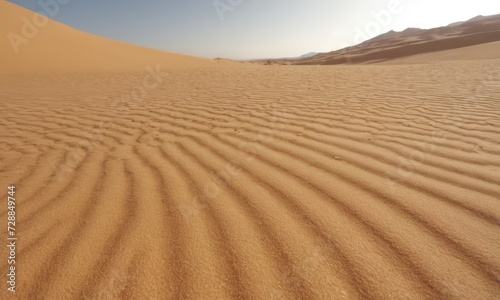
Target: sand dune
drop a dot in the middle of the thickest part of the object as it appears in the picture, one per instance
(243, 181)
(413, 41)
(476, 52)
(55, 47)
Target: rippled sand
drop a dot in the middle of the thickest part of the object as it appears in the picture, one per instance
(261, 182)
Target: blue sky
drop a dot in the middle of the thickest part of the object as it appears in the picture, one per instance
(244, 29)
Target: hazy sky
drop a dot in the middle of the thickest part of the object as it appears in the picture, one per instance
(243, 29)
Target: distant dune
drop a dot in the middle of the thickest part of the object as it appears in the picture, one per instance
(414, 41)
(482, 51)
(310, 54)
(56, 47)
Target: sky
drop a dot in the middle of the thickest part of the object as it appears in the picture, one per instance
(251, 29)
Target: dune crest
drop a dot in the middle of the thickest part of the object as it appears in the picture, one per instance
(479, 31)
(37, 45)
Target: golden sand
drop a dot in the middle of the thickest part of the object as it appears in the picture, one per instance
(188, 179)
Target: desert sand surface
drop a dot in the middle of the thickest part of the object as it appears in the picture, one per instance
(201, 180)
